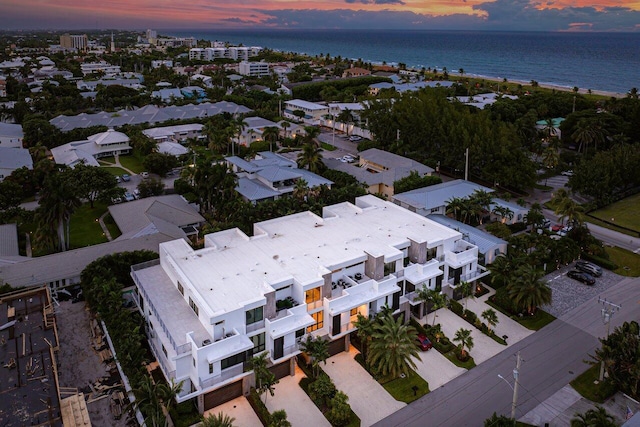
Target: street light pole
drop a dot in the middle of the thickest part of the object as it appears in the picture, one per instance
(608, 309)
(516, 383)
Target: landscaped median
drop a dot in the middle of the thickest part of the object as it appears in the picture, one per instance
(443, 345)
(500, 301)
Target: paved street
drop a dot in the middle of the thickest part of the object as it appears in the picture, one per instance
(552, 357)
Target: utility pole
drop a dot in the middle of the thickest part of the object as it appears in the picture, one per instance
(466, 164)
(516, 383)
(608, 309)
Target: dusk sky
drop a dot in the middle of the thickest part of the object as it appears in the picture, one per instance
(561, 15)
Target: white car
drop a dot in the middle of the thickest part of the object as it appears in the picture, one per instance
(355, 138)
(144, 175)
(567, 173)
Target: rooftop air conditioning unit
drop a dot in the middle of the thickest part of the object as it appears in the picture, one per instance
(206, 342)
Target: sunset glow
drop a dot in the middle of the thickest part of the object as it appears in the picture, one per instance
(561, 15)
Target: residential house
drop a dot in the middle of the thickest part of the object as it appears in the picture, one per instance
(253, 130)
(3, 87)
(177, 133)
(12, 159)
(99, 67)
(355, 72)
(157, 63)
(435, 199)
(167, 95)
(379, 170)
(270, 176)
(133, 83)
(11, 135)
(210, 310)
(193, 92)
(104, 144)
(254, 69)
(482, 100)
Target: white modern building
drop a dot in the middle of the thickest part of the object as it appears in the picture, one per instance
(162, 63)
(99, 67)
(314, 113)
(254, 69)
(177, 133)
(208, 311)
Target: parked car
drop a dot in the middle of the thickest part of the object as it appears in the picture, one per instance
(581, 276)
(567, 173)
(557, 228)
(126, 177)
(589, 268)
(129, 197)
(144, 175)
(423, 342)
(118, 179)
(565, 230)
(355, 138)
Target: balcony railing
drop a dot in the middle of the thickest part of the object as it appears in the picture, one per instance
(160, 357)
(287, 351)
(226, 374)
(255, 326)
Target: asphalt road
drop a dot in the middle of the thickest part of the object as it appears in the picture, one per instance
(552, 357)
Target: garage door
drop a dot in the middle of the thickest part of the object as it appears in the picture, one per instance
(336, 346)
(222, 395)
(280, 370)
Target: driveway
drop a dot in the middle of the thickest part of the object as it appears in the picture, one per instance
(436, 369)
(506, 326)
(301, 411)
(368, 399)
(240, 409)
(484, 347)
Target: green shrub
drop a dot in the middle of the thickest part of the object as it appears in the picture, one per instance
(456, 307)
(499, 229)
(517, 227)
(604, 263)
(501, 299)
(470, 316)
(259, 407)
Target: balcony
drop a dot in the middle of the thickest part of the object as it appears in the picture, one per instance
(286, 352)
(479, 273)
(289, 321)
(252, 327)
(162, 360)
(225, 375)
(362, 293)
(420, 273)
(461, 255)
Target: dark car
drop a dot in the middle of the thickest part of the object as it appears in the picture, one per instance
(581, 276)
(589, 268)
(423, 342)
(126, 177)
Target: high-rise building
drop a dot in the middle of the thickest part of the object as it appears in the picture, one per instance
(74, 41)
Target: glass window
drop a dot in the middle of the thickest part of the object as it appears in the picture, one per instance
(312, 295)
(431, 253)
(193, 306)
(300, 333)
(233, 360)
(164, 350)
(211, 368)
(319, 318)
(353, 312)
(180, 288)
(258, 343)
(254, 315)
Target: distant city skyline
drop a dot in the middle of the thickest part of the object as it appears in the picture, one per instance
(526, 15)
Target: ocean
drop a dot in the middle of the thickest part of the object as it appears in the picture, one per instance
(597, 61)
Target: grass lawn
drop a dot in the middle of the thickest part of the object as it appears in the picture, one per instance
(593, 220)
(114, 171)
(85, 230)
(623, 213)
(327, 147)
(628, 262)
(584, 384)
(534, 323)
(451, 355)
(132, 162)
(112, 227)
(402, 388)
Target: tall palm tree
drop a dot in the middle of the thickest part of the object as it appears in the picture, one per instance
(346, 117)
(310, 136)
(466, 289)
(310, 158)
(58, 202)
(393, 347)
(155, 400)
(527, 291)
(503, 212)
(464, 339)
(437, 299)
(318, 350)
(454, 207)
(365, 330)
(285, 125)
(265, 379)
(271, 134)
(491, 317)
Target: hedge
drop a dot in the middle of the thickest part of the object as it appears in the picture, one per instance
(259, 407)
(311, 91)
(604, 263)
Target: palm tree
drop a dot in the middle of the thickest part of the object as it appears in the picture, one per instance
(503, 212)
(345, 117)
(154, 400)
(464, 339)
(491, 317)
(466, 289)
(271, 134)
(310, 136)
(393, 347)
(534, 217)
(365, 329)
(550, 159)
(58, 202)
(318, 350)
(310, 158)
(598, 417)
(265, 379)
(285, 125)
(218, 420)
(527, 291)
(437, 299)
(279, 419)
(454, 207)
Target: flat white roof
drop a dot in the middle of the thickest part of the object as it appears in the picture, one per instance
(306, 104)
(234, 270)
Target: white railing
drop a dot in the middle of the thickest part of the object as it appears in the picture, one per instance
(255, 326)
(226, 374)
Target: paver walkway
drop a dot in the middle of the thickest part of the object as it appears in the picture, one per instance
(301, 411)
(436, 369)
(368, 399)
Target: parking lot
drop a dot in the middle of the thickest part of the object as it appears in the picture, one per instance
(569, 293)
